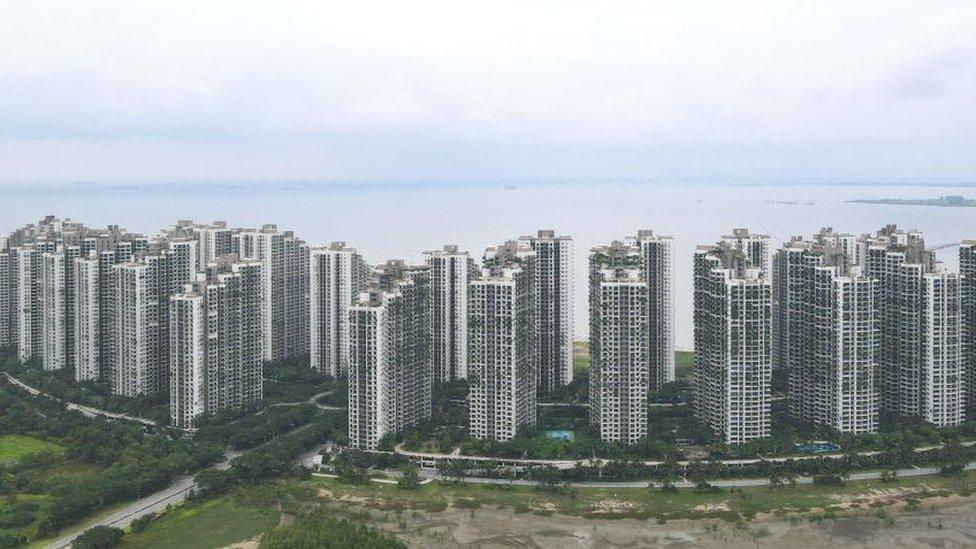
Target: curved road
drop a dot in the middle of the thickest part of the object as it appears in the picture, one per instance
(85, 410)
(314, 401)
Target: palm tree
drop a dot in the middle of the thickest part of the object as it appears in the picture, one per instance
(773, 474)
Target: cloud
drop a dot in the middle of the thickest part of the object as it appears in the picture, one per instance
(371, 90)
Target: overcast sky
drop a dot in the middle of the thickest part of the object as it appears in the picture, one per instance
(755, 91)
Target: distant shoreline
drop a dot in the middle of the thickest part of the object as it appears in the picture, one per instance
(941, 202)
(380, 184)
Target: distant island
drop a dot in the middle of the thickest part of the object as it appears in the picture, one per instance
(789, 203)
(954, 201)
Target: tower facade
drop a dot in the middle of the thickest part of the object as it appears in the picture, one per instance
(828, 335)
(554, 292)
(390, 374)
(141, 319)
(967, 268)
(188, 356)
(502, 343)
(619, 343)
(87, 319)
(337, 274)
(54, 307)
(214, 240)
(28, 319)
(449, 275)
(215, 342)
(285, 288)
(733, 313)
(919, 309)
(657, 270)
(6, 309)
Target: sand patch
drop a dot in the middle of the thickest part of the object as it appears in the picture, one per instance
(713, 507)
(344, 498)
(612, 506)
(252, 543)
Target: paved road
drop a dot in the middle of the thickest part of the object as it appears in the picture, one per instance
(85, 410)
(155, 503)
(314, 401)
(173, 494)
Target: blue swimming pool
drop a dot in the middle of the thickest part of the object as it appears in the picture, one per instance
(561, 435)
(816, 447)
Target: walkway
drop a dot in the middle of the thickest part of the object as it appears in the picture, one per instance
(429, 459)
(314, 401)
(724, 483)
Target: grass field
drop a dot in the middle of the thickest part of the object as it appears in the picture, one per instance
(213, 523)
(645, 503)
(18, 446)
(6, 505)
(683, 362)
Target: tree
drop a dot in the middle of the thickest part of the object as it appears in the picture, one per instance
(213, 481)
(701, 472)
(667, 473)
(507, 473)
(828, 480)
(8, 478)
(349, 472)
(453, 469)
(788, 472)
(409, 476)
(99, 537)
(545, 476)
(771, 470)
(953, 458)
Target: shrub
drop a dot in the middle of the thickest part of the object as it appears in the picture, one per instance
(99, 537)
(828, 480)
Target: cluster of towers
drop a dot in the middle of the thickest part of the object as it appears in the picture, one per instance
(397, 330)
(861, 326)
(191, 313)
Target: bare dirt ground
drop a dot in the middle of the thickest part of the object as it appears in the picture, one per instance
(941, 523)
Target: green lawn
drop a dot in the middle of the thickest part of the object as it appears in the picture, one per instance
(581, 364)
(18, 446)
(214, 523)
(683, 362)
